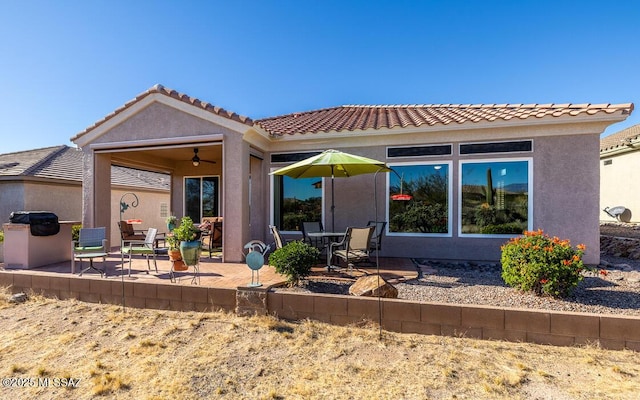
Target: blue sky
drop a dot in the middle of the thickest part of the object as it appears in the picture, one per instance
(66, 64)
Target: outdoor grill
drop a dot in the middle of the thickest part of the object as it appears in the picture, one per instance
(41, 223)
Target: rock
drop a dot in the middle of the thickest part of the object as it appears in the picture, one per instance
(373, 286)
(18, 298)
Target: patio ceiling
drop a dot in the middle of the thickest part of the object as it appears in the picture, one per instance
(166, 159)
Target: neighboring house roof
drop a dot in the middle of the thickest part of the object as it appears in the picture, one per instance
(362, 117)
(620, 140)
(176, 95)
(65, 163)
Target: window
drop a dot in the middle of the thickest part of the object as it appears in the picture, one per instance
(495, 197)
(419, 151)
(296, 201)
(419, 199)
(201, 197)
(164, 210)
(497, 147)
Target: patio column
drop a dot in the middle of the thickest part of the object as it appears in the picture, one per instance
(96, 191)
(235, 197)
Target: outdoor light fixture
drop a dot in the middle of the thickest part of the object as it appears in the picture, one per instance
(195, 160)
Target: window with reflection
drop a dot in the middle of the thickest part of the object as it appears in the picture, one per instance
(296, 201)
(495, 197)
(419, 199)
(201, 197)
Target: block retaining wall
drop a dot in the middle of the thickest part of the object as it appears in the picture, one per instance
(481, 322)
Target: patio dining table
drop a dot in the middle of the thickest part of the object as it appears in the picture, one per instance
(329, 237)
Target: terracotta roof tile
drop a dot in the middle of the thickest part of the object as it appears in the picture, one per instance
(176, 95)
(620, 139)
(351, 118)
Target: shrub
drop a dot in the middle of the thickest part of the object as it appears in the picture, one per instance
(541, 264)
(509, 228)
(294, 260)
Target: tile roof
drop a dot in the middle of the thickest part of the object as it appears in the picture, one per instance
(65, 163)
(620, 139)
(361, 117)
(176, 95)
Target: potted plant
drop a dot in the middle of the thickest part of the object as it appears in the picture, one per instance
(188, 236)
(172, 221)
(174, 252)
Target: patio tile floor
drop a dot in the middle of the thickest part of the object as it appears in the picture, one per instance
(213, 272)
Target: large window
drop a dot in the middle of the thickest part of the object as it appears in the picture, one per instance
(495, 197)
(419, 199)
(296, 201)
(201, 197)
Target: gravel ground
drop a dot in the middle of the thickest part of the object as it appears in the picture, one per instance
(618, 292)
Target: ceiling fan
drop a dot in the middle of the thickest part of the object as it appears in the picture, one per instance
(197, 160)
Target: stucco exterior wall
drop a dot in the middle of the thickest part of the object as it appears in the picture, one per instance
(565, 192)
(149, 210)
(62, 199)
(159, 121)
(620, 184)
(11, 199)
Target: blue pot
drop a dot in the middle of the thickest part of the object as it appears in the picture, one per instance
(190, 252)
(171, 226)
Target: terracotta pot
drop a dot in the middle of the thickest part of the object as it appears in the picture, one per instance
(175, 255)
(179, 265)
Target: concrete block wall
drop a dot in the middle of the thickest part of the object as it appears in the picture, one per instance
(479, 322)
(110, 291)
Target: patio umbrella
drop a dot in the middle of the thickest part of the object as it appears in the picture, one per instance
(334, 164)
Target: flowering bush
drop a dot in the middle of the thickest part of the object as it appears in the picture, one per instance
(541, 264)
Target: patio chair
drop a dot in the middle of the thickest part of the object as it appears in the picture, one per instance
(279, 241)
(309, 227)
(128, 233)
(355, 246)
(146, 247)
(213, 238)
(90, 240)
(376, 238)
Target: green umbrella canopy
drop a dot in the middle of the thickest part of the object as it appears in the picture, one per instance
(333, 163)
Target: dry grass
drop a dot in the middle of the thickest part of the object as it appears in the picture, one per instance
(147, 354)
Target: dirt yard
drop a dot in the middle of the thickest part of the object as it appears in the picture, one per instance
(67, 349)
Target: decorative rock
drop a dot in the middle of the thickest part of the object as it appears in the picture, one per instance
(18, 298)
(373, 286)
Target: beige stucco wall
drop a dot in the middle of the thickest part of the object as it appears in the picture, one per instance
(565, 190)
(11, 199)
(148, 210)
(159, 121)
(63, 199)
(619, 185)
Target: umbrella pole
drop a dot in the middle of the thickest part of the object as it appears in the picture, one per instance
(333, 207)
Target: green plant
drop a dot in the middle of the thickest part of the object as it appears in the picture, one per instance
(294, 260)
(172, 219)
(541, 264)
(1, 236)
(172, 240)
(501, 229)
(75, 232)
(187, 231)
